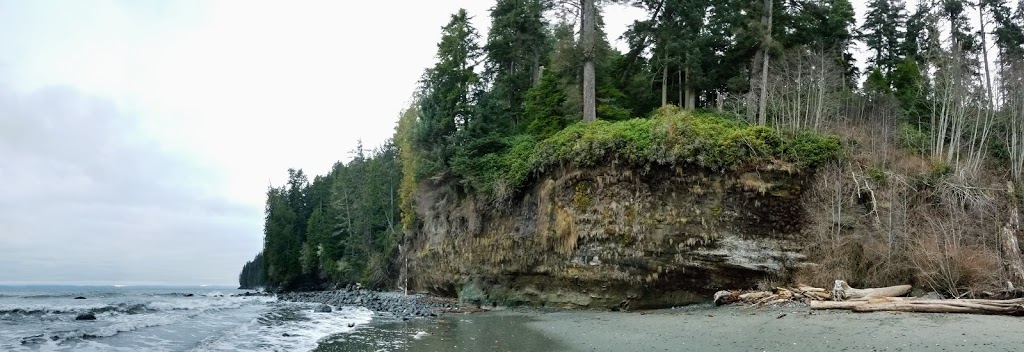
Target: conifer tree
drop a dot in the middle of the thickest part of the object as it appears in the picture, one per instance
(517, 48)
(449, 91)
(883, 31)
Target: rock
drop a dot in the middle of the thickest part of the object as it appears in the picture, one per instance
(323, 308)
(86, 316)
(189, 295)
(79, 297)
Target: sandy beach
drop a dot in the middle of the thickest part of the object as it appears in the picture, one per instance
(695, 328)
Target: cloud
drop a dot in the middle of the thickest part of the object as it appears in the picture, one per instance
(87, 196)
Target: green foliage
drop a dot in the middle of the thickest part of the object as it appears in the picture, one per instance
(939, 169)
(882, 33)
(876, 82)
(449, 92)
(339, 228)
(252, 275)
(496, 168)
(808, 149)
(914, 138)
(281, 244)
(517, 47)
(543, 107)
(877, 175)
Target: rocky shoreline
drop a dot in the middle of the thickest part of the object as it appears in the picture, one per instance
(391, 303)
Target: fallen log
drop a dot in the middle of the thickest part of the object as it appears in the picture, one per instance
(779, 295)
(850, 304)
(971, 306)
(841, 291)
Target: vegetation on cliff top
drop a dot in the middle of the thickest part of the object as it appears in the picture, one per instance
(670, 137)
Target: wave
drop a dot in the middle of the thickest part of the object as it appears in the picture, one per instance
(290, 327)
(59, 337)
(132, 308)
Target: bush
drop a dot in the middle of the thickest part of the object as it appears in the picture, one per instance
(498, 167)
(914, 138)
(807, 149)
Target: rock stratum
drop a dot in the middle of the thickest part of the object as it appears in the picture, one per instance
(607, 237)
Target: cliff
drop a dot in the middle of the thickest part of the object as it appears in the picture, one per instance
(696, 205)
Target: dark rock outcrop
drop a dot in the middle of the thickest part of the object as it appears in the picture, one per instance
(394, 304)
(609, 238)
(86, 316)
(79, 297)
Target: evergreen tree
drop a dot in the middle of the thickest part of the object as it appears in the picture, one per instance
(916, 41)
(449, 91)
(252, 275)
(883, 31)
(281, 240)
(517, 49)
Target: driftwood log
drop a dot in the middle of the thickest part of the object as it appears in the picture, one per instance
(842, 291)
(800, 293)
(896, 304)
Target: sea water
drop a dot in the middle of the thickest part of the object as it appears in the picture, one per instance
(130, 318)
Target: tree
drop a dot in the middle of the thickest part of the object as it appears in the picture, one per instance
(516, 48)
(252, 275)
(281, 240)
(449, 91)
(588, 43)
(883, 28)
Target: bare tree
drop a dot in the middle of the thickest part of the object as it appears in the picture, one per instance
(803, 90)
(761, 113)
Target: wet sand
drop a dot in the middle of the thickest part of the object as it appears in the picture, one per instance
(696, 328)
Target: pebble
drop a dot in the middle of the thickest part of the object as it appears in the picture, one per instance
(382, 302)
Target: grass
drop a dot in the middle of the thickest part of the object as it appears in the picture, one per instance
(671, 137)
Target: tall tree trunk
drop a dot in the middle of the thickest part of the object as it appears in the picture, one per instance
(589, 31)
(762, 117)
(679, 79)
(538, 70)
(752, 96)
(691, 96)
(664, 86)
(984, 51)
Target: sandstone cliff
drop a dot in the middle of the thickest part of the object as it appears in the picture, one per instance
(608, 237)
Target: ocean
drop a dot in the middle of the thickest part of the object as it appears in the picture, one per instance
(138, 318)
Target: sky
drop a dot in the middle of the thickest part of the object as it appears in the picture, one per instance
(138, 138)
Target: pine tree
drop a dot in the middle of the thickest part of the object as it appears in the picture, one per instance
(883, 31)
(281, 240)
(449, 91)
(517, 48)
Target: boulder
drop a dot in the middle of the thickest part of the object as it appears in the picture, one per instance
(79, 297)
(86, 316)
(323, 308)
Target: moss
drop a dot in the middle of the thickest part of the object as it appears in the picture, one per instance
(581, 196)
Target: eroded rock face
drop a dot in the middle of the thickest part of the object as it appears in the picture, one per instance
(609, 238)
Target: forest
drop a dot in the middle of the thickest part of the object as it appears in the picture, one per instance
(926, 140)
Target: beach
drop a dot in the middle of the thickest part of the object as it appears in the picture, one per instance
(693, 328)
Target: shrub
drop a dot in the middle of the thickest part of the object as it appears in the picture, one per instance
(498, 167)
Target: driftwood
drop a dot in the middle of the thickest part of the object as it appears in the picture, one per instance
(850, 304)
(842, 291)
(971, 306)
(779, 295)
(1012, 259)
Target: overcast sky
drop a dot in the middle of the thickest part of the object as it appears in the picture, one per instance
(137, 138)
